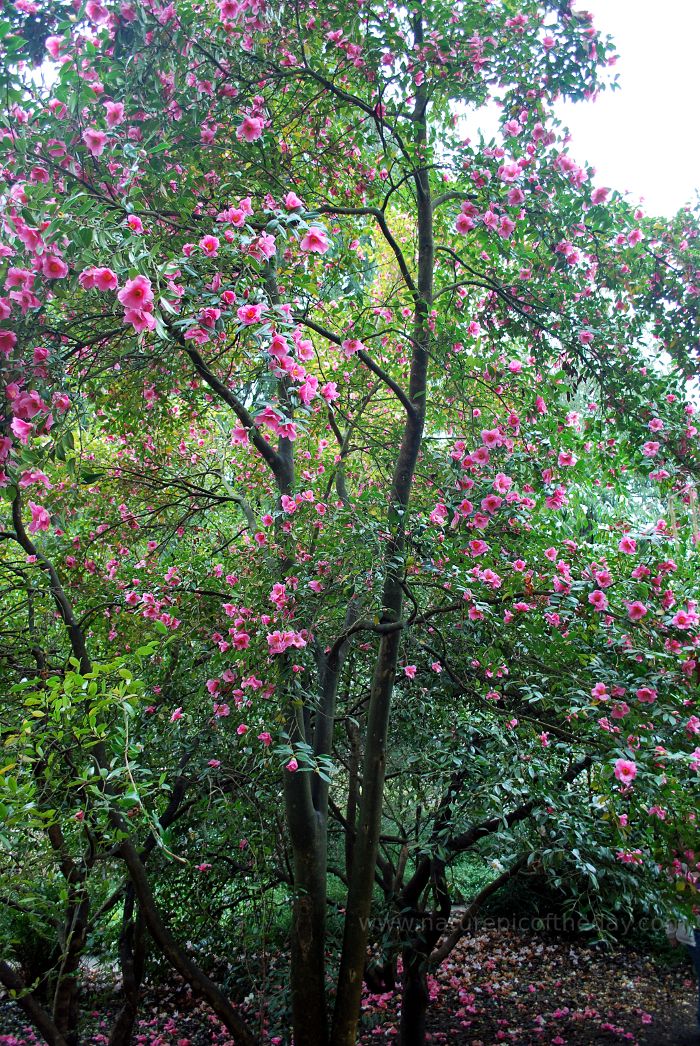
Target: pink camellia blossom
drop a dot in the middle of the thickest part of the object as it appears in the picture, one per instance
(292, 765)
(464, 224)
(96, 11)
(625, 771)
(22, 429)
(656, 425)
(177, 714)
(599, 195)
(209, 245)
(410, 671)
(628, 545)
(329, 392)
(684, 619)
(491, 438)
(102, 278)
(249, 314)
(136, 293)
(598, 600)
(647, 695)
(265, 738)
(585, 337)
(95, 141)
(292, 202)
(140, 319)
(221, 710)
(352, 345)
(566, 459)
(619, 710)
(8, 340)
(636, 610)
(135, 223)
(315, 241)
(53, 267)
(115, 113)
(651, 448)
(250, 129)
(53, 45)
(600, 692)
(693, 725)
(34, 477)
(40, 518)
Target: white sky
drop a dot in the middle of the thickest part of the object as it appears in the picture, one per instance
(645, 137)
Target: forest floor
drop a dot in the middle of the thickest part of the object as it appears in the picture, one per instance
(510, 987)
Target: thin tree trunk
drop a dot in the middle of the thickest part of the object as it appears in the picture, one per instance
(26, 1001)
(132, 955)
(359, 903)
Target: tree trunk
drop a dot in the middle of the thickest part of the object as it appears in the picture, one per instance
(66, 1004)
(415, 998)
(41, 1020)
(359, 903)
(132, 955)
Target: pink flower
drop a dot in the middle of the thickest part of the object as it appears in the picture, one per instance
(209, 245)
(105, 280)
(650, 449)
(464, 224)
(115, 113)
(53, 45)
(600, 691)
(410, 671)
(585, 337)
(566, 459)
(625, 771)
(684, 619)
(636, 611)
(140, 320)
(491, 438)
(8, 340)
(329, 392)
(315, 241)
(598, 600)
(265, 738)
(95, 141)
(250, 129)
(241, 729)
(292, 765)
(177, 714)
(599, 195)
(292, 202)
(628, 545)
(135, 223)
(352, 345)
(647, 695)
(40, 518)
(22, 430)
(249, 314)
(53, 267)
(136, 293)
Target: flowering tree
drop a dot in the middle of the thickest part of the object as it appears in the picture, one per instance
(338, 445)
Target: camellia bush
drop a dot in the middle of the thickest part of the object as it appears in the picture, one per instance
(349, 523)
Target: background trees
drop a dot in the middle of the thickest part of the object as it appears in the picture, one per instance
(349, 481)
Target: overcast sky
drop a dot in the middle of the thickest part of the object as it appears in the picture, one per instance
(645, 137)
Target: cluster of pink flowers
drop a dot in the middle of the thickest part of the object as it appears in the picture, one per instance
(278, 642)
